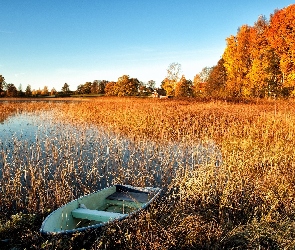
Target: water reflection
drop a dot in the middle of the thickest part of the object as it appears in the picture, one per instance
(46, 142)
(22, 126)
(55, 162)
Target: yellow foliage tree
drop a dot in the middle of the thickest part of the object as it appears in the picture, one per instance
(183, 88)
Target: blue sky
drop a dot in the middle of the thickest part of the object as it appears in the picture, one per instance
(49, 42)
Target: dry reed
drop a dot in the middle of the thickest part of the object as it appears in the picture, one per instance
(245, 202)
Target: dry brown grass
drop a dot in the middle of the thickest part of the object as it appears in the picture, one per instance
(247, 202)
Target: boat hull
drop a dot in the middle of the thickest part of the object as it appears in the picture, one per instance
(98, 209)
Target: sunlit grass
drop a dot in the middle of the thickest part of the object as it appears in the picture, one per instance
(245, 202)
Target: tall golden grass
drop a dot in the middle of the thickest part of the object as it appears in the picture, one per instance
(246, 202)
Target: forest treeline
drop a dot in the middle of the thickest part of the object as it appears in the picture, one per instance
(259, 61)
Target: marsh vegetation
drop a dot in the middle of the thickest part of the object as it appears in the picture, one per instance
(227, 170)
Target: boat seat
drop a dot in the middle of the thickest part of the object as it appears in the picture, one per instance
(129, 196)
(89, 214)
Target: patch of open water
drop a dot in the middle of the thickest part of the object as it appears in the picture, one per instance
(41, 140)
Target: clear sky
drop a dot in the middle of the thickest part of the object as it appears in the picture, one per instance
(52, 42)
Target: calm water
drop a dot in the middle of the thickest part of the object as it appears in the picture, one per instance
(22, 126)
(42, 141)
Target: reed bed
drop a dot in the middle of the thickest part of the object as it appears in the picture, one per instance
(227, 170)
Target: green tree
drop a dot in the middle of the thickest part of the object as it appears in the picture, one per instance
(65, 88)
(28, 91)
(94, 87)
(274, 76)
(87, 88)
(216, 81)
(11, 90)
(98, 86)
(151, 84)
(20, 92)
(2, 81)
(142, 89)
(84, 88)
(101, 86)
(79, 89)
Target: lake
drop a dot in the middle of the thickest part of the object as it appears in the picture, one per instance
(51, 142)
(44, 158)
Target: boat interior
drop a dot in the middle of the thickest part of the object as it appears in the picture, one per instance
(117, 205)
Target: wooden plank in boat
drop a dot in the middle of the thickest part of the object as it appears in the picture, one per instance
(89, 214)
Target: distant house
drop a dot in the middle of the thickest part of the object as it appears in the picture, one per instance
(158, 93)
(165, 96)
(155, 94)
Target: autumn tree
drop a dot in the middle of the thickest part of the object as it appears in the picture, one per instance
(169, 86)
(173, 76)
(110, 89)
(204, 74)
(53, 92)
(184, 88)
(98, 86)
(260, 60)
(36, 92)
(200, 81)
(237, 62)
(45, 91)
(281, 36)
(127, 86)
(198, 86)
(87, 88)
(259, 54)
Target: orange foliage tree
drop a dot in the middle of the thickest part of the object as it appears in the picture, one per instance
(125, 86)
(260, 60)
(281, 36)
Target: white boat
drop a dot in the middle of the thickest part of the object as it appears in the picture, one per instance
(99, 209)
